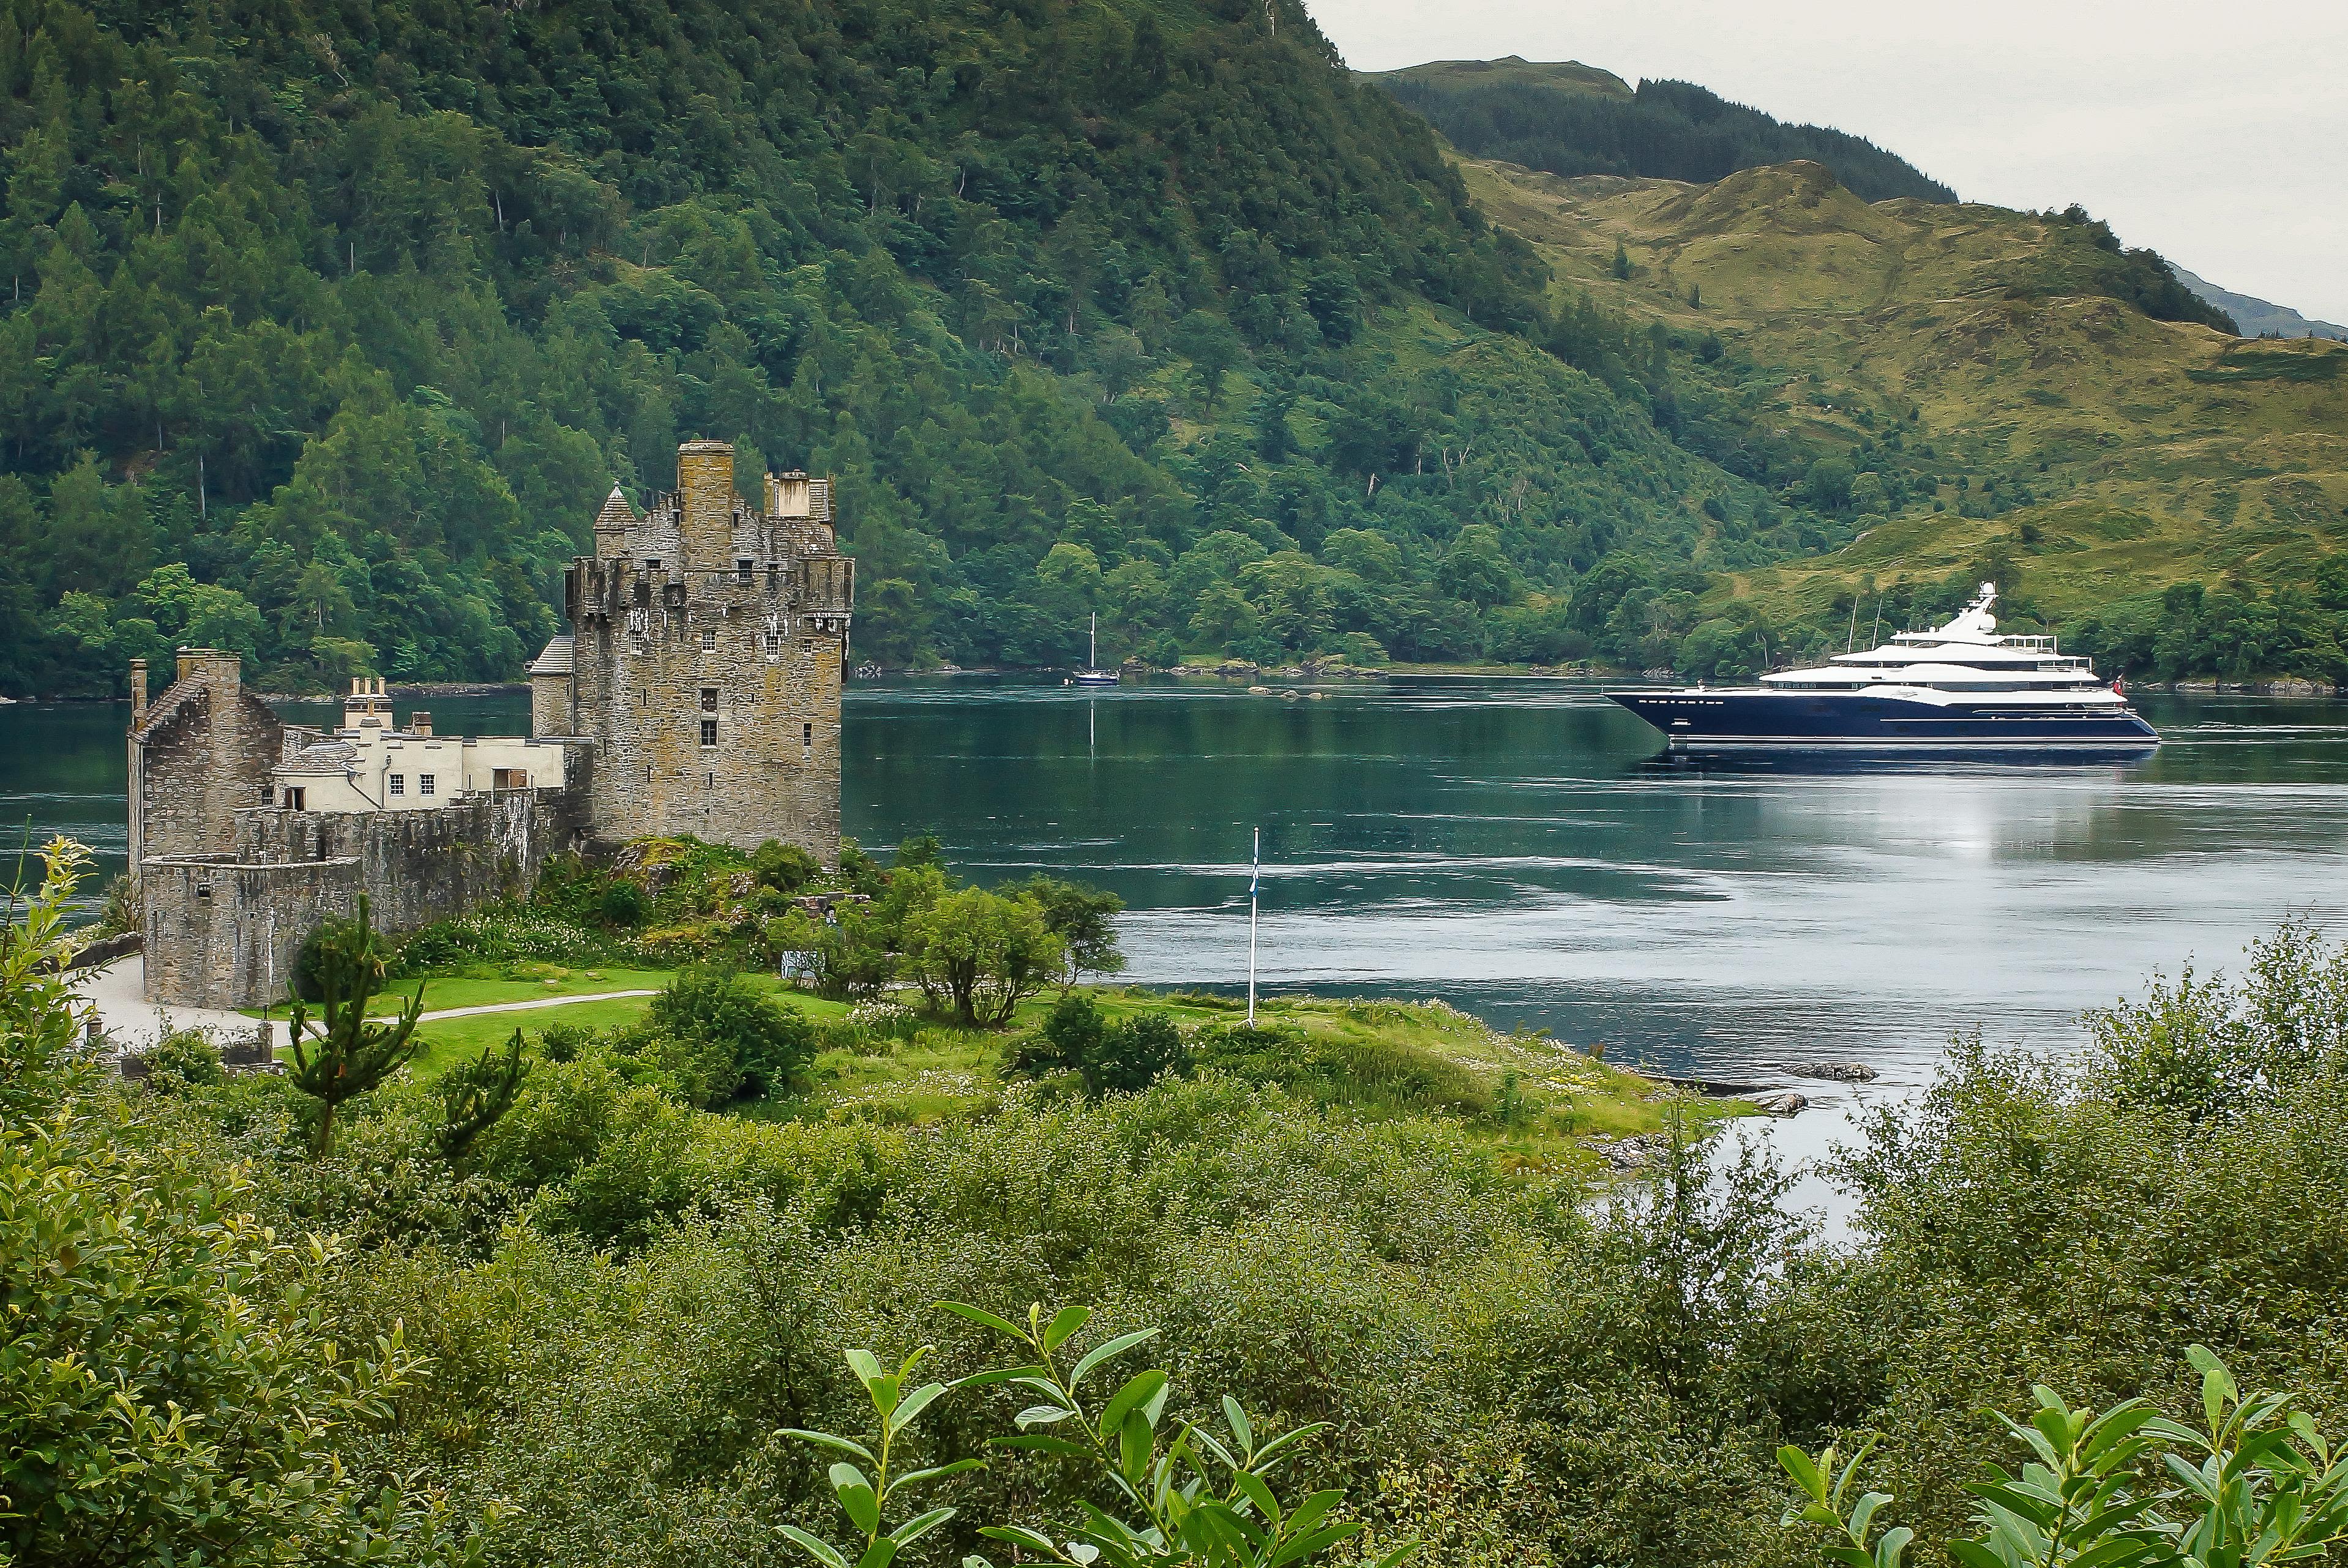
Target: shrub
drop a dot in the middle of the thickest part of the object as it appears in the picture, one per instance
(183, 1059)
(307, 983)
(624, 905)
(497, 933)
(123, 909)
(1113, 1057)
(163, 1399)
(728, 1037)
(982, 951)
(786, 868)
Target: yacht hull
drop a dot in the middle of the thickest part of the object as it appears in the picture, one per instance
(1695, 718)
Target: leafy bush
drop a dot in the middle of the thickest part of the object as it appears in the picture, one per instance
(183, 1059)
(2207, 1049)
(1195, 1501)
(981, 951)
(726, 1036)
(624, 905)
(786, 868)
(497, 933)
(171, 1390)
(1117, 1057)
(2125, 1488)
(330, 935)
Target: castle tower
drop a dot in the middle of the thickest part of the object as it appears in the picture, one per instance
(708, 639)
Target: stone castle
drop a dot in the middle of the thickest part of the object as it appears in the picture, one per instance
(697, 692)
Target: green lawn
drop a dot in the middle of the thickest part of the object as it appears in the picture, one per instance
(1532, 1100)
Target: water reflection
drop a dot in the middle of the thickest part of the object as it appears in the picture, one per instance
(1519, 849)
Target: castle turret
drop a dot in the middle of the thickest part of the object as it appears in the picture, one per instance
(705, 499)
(705, 660)
(612, 525)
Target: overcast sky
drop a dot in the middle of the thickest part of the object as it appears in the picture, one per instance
(2217, 134)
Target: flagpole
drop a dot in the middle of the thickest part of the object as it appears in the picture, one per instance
(1255, 876)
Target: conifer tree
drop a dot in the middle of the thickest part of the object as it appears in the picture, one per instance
(349, 1055)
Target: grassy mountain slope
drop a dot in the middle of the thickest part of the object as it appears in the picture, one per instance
(1985, 396)
(322, 331)
(1571, 119)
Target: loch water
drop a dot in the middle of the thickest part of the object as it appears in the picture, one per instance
(1519, 848)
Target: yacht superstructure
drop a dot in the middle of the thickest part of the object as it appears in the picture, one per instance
(1957, 685)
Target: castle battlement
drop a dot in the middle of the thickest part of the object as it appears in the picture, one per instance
(708, 639)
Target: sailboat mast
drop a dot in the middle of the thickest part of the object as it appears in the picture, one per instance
(1092, 652)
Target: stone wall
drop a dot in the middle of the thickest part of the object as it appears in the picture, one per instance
(199, 753)
(223, 934)
(221, 930)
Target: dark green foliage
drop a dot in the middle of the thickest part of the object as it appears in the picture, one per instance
(311, 958)
(1120, 1056)
(349, 1055)
(2140, 277)
(786, 868)
(1570, 120)
(183, 1059)
(726, 1037)
(473, 1095)
(325, 340)
(624, 904)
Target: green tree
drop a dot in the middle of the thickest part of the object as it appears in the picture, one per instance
(474, 1095)
(1083, 919)
(982, 951)
(349, 1053)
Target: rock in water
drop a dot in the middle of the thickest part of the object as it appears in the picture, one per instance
(1840, 1072)
(1786, 1103)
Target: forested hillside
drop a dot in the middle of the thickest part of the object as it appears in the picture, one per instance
(322, 332)
(1572, 118)
(1990, 393)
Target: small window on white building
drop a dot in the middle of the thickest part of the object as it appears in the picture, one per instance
(423, 784)
(292, 803)
(399, 783)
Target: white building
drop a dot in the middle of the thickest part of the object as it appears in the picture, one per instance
(372, 764)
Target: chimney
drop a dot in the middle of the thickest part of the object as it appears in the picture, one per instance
(138, 690)
(419, 722)
(705, 492)
(787, 494)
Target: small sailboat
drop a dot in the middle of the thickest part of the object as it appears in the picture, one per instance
(1092, 674)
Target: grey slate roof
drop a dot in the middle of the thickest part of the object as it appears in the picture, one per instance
(554, 659)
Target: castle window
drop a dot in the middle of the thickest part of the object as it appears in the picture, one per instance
(708, 639)
(774, 643)
(423, 784)
(644, 591)
(652, 564)
(708, 732)
(709, 700)
(807, 735)
(774, 577)
(741, 570)
(399, 783)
